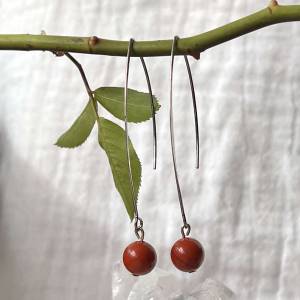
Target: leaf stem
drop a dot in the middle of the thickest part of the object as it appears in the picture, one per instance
(86, 83)
(193, 45)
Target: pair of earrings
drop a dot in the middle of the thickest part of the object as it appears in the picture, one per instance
(187, 254)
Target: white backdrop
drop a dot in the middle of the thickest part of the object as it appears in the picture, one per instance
(62, 223)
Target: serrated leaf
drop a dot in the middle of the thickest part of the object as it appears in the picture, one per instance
(139, 105)
(112, 140)
(80, 130)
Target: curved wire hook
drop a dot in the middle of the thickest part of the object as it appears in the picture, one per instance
(138, 221)
(185, 224)
(153, 113)
(126, 125)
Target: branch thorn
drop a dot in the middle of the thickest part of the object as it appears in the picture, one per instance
(93, 41)
(273, 3)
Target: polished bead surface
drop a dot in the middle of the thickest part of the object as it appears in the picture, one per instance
(139, 258)
(187, 254)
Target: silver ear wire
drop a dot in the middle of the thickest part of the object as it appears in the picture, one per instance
(153, 113)
(194, 108)
(185, 224)
(138, 224)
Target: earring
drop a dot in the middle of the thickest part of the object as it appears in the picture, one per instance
(139, 257)
(187, 254)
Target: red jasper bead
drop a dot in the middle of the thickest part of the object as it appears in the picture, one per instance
(139, 258)
(187, 254)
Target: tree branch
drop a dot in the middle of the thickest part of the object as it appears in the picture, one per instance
(273, 14)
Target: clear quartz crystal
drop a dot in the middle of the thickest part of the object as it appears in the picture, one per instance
(163, 285)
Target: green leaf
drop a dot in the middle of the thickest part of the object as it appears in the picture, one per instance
(112, 140)
(139, 105)
(80, 130)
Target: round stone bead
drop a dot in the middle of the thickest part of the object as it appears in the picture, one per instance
(139, 258)
(187, 254)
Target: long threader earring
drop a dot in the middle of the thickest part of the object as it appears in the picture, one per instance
(139, 257)
(187, 254)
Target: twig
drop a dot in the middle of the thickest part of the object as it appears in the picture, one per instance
(273, 14)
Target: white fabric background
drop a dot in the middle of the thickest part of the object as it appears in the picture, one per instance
(62, 223)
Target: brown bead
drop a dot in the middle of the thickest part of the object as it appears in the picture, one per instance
(139, 258)
(187, 254)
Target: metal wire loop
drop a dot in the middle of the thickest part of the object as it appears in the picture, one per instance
(138, 228)
(188, 230)
(152, 111)
(138, 223)
(139, 232)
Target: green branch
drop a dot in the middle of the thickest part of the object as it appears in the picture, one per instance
(273, 14)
